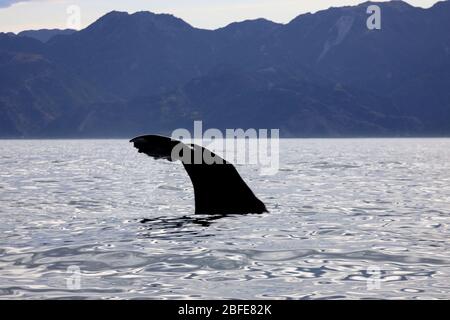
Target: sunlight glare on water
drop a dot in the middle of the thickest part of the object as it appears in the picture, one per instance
(349, 218)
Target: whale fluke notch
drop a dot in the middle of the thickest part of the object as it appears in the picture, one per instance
(218, 187)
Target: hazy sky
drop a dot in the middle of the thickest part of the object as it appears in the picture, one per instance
(17, 15)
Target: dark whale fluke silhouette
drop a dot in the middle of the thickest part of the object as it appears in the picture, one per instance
(218, 187)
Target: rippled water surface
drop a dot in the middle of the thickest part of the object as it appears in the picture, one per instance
(350, 218)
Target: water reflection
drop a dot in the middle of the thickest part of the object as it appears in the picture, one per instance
(185, 227)
(179, 222)
(343, 208)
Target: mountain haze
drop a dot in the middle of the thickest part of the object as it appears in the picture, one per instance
(45, 35)
(322, 74)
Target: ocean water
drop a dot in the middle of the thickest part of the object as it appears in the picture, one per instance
(349, 219)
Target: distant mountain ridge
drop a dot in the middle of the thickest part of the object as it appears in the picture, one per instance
(45, 35)
(322, 74)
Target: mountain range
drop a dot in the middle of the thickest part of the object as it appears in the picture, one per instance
(45, 35)
(320, 75)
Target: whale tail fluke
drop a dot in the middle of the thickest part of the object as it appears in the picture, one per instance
(218, 187)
